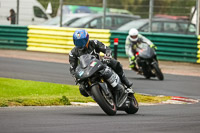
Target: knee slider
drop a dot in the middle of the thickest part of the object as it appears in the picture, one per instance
(111, 77)
(107, 73)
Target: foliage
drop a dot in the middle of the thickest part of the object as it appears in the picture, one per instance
(138, 7)
(54, 3)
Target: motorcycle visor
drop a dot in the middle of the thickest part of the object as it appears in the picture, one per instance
(134, 37)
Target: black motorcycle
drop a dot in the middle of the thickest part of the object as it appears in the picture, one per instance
(147, 62)
(89, 74)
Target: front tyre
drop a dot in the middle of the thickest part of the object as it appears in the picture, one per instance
(158, 72)
(107, 105)
(133, 106)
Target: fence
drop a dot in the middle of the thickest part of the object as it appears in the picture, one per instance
(173, 47)
(29, 13)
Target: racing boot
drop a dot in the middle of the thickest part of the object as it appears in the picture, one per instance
(113, 79)
(120, 94)
(125, 81)
(133, 67)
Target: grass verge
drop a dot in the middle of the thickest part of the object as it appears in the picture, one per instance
(15, 92)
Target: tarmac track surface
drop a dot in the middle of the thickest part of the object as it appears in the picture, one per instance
(183, 118)
(149, 119)
(173, 85)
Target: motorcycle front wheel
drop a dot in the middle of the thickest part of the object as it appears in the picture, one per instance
(133, 107)
(106, 104)
(158, 73)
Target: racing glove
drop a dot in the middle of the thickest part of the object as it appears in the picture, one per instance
(153, 46)
(107, 57)
(133, 58)
(108, 54)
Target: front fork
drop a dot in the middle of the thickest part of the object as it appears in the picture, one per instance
(152, 68)
(88, 85)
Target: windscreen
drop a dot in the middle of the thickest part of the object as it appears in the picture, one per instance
(143, 46)
(85, 60)
(145, 51)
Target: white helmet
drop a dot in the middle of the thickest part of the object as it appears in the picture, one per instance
(133, 34)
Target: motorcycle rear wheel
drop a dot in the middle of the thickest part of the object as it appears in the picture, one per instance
(133, 107)
(107, 105)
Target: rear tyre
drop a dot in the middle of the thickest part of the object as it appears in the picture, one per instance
(147, 77)
(133, 107)
(158, 73)
(107, 105)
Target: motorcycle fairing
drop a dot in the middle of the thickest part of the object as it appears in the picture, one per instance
(88, 66)
(145, 51)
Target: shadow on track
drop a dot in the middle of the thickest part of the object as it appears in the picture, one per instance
(142, 78)
(103, 114)
(97, 113)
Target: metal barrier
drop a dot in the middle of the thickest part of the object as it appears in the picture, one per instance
(171, 47)
(198, 53)
(13, 37)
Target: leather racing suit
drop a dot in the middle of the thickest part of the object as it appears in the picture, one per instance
(94, 48)
(131, 46)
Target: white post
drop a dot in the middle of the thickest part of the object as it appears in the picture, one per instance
(17, 14)
(151, 3)
(61, 12)
(104, 14)
(198, 17)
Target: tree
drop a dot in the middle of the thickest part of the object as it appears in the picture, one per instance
(138, 7)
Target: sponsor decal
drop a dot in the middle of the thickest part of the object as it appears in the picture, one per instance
(93, 63)
(78, 35)
(81, 73)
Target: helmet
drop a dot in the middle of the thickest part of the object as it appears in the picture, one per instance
(133, 34)
(80, 38)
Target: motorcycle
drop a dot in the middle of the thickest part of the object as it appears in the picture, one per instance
(147, 62)
(89, 74)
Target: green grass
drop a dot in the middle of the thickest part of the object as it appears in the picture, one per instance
(15, 92)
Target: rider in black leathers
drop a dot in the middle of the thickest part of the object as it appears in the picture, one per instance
(93, 47)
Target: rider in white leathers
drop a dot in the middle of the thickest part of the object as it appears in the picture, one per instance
(133, 40)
